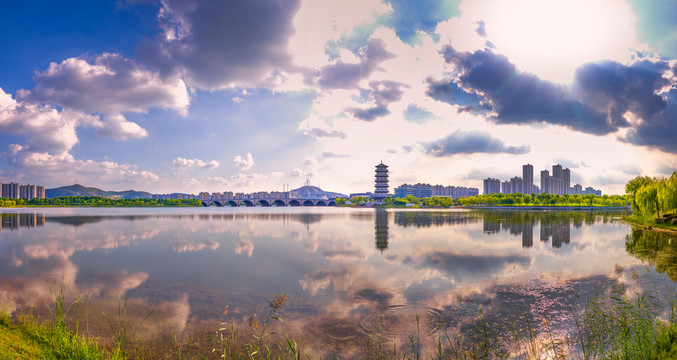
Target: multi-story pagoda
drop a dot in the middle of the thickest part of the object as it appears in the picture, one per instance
(381, 181)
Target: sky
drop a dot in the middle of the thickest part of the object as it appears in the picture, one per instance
(255, 95)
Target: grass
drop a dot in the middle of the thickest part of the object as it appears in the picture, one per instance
(24, 337)
(648, 222)
(616, 323)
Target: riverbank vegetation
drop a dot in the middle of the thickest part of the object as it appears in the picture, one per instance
(654, 201)
(97, 201)
(617, 323)
(498, 200)
(5, 202)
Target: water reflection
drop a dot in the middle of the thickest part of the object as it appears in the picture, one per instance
(342, 268)
(658, 249)
(554, 226)
(18, 220)
(381, 229)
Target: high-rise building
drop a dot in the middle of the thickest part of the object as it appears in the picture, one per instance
(566, 181)
(492, 186)
(545, 182)
(578, 189)
(40, 192)
(10, 191)
(381, 181)
(557, 174)
(516, 185)
(528, 179)
(505, 187)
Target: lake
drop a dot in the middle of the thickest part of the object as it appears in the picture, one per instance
(346, 271)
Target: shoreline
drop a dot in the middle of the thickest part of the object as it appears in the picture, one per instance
(564, 208)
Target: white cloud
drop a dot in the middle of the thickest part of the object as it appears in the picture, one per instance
(45, 128)
(195, 163)
(45, 168)
(244, 163)
(111, 85)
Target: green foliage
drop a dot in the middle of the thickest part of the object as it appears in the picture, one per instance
(97, 201)
(507, 200)
(653, 196)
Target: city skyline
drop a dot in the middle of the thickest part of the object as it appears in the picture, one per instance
(559, 183)
(128, 94)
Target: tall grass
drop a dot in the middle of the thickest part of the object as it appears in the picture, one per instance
(618, 322)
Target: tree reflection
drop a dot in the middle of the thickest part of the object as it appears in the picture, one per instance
(657, 248)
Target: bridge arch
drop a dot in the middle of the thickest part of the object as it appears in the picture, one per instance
(279, 203)
(320, 203)
(308, 203)
(294, 203)
(263, 203)
(247, 203)
(331, 203)
(205, 204)
(231, 203)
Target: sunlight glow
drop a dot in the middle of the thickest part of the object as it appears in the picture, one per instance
(552, 38)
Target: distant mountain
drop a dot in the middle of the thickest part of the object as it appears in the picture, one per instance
(79, 190)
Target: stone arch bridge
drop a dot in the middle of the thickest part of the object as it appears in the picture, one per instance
(269, 202)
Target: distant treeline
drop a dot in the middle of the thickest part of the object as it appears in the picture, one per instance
(651, 196)
(516, 199)
(97, 201)
(5, 202)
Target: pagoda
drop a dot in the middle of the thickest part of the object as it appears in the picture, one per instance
(381, 181)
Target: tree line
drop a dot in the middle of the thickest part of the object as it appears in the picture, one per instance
(6, 202)
(516, 199)
(653, 196)
(97, 201)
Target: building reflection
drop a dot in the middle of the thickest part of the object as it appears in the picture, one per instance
(558, 232)
(554, 226)
(381, 230)
(16, 221)
(527, 235)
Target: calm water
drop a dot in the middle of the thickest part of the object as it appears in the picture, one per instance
(345, 270)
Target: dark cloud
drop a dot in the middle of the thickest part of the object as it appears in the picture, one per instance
(481, 31)
(382, 93)
(522, 97)
(370, 114)
(334, 155)
(418, 115)
(472, 142)
(596, 103)
(347, 76)
(215, 44)
(660, 130)
(615, 89)
(448, 91)
(317, 132)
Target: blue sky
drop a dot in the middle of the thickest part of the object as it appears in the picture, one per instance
(190, 96)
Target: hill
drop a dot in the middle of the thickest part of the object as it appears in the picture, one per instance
(79, 190)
